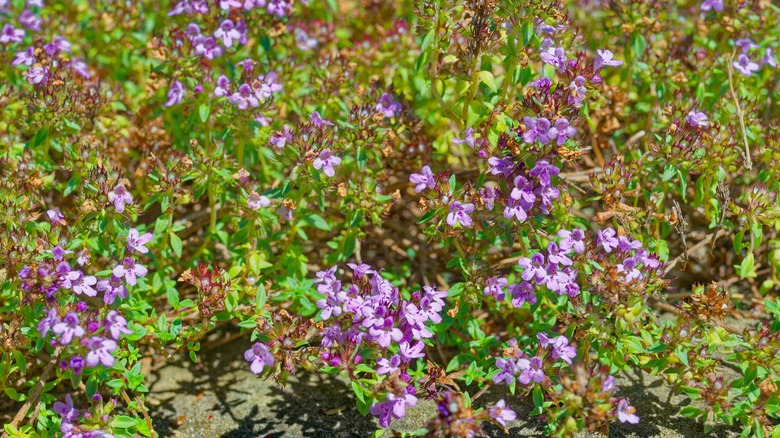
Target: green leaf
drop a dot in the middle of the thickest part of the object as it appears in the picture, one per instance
(747, 267)
(318, 222)
(124, 422)
(670, 171)
(176, 244)
(691, 412)
(487, 78)
(427, 216)
(203, 112)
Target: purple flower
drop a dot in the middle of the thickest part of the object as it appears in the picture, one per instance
(9, 34)
(508, 370)
(27, 57)
(745, 44)
(394, 407)
(244, 97)
(574, 239)
(360, 270)
(606, 239)
(77, 364)
(557, 255)
(625, 244)
(496, 286)
(303, 41)
(544, 171)
(318, 121)
(278, 7)
(227, 32)
(37, 75)
(256, 201)
(58, 44)
(325, 161)
(522, 293)
(68, 328)
(576, 92)
(248, 64)
(100, 350)
(48, 322)
(424, 180)
(409, 352)
(744, 65)
(182, 7)
(459, 214)
(768, 58)
(531, 370)
(556, 56)
(223, 86)
(80, 68)
(331, 304)
(116, 325)
(129, 270)
(533, 268)
(230, 4)
(561, 131)
(696, 119)
(281, 138)
(80, 284)
(388, 366)
(120, 196)
(501, 166)
(260, 357)
(58, 252)
(468, 138)
(136, 241)
(388, 106)
(111, 289)
(536, 129)
(629, 270)
(66, 410)
(207, 47)
(502, 414)
(268, 84)
(604, 58)
(608, 384)
(30, 20)
(176, 93)
(626, 412)
(562, 350)
(707, 5)
(488, 195)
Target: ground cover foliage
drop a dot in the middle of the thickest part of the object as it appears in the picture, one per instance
(429, 199)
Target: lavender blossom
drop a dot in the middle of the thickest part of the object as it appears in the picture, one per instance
(68, 328)
(120, 197)
(129, 270)
(696, 119)
(326, 161)
(10, 34)
(100, 351)
(744, 65)
(136, 241)
(260, 357)
(175, 93)
(111, 289)
(459, 214)
(604, 58)
(388, 106)
(502, 414)
(424, 180)
(116, 325)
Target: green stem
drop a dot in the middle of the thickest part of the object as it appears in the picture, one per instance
(472, 90)
(213, 210)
